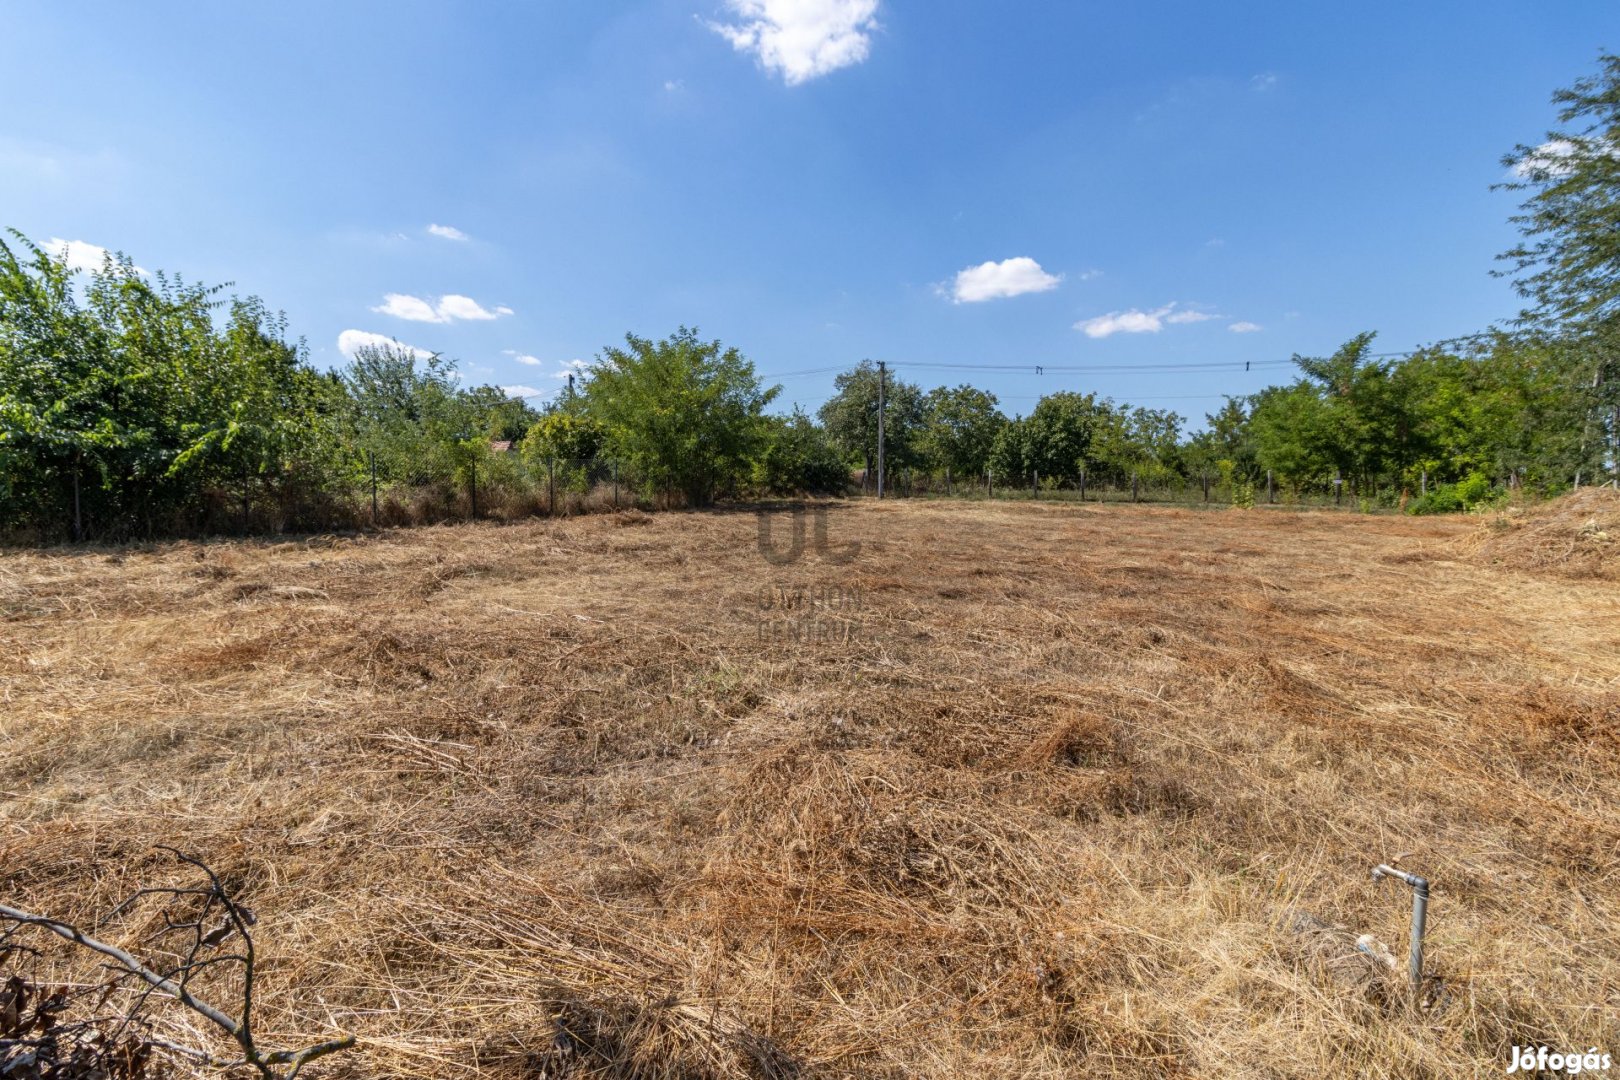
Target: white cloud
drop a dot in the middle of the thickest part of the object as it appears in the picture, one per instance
(447, 232)
(521, 391)
(351, 341)
(1556, 158)
(78, 255)
(1090, 275)
(1264, 81)
(447, 308)
(1139, 322)
(572, 367)
(522, 358)
(1177, 317)
(995, 280)
(1551, 158)
(1244, 327)
(674, 85)
(801, 39)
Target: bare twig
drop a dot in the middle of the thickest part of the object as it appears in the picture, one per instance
(267, 1064)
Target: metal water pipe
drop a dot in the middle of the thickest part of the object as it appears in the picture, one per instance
(1420, 911)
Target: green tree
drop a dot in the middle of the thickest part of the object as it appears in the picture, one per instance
(850, 418)
(686, 415)
(1060, 434)
(959, 429)
(797, 456)
(1567, 264)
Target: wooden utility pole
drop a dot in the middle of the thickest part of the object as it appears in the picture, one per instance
(882, 378)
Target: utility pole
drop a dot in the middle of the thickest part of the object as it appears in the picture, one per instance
(883, 371)
(570, 387)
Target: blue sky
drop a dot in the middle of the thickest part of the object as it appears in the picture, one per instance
(1152, 183)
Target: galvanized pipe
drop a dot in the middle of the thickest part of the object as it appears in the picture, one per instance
(1420, 911)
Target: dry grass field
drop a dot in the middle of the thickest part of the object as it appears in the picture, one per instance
(1076, 797)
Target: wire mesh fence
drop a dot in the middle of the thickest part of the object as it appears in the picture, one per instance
(1210, 489)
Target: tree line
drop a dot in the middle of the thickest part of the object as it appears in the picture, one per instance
(135, 404)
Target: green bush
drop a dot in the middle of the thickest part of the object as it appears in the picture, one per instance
(1473, 492)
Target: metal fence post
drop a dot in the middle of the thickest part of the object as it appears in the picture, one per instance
(1082, 485)
(1034, 483)
(472, 482)
(1134, 489)
(1270, 496)
(615, 483)
(551, 486)
(1206, 487)
(372, 454)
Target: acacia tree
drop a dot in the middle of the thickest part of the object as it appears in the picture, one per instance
(686, 415)
(1568, 263)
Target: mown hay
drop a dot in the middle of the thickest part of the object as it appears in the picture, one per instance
(1576, 536)
(571, 798)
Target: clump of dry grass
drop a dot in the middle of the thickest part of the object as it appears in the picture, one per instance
(1091, 790)
(1575, 536)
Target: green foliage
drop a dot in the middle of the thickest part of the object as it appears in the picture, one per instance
(798, 457)
(850, 418)
(562, 435)
(959, 430)
(1059, 433)
(685, 415)
(1472, 492)
(1568, 266)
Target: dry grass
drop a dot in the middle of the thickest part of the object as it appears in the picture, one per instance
(1577, 536)
(1087, 794)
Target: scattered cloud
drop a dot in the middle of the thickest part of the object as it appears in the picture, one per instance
(78, 254)
(522, 358)
(352, 341)
(1089, 275)
(1263, 82)
(1177, 317)
(448, 308)
(801, 39)
(572, 367)
(1136, 321)
(1241, 327)
(1215, 242)
(447, 232)
(521, 391)
(672, 86)
(997, 280)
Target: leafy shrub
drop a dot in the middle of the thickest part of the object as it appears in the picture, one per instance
(1473, 492)
(799, 457)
